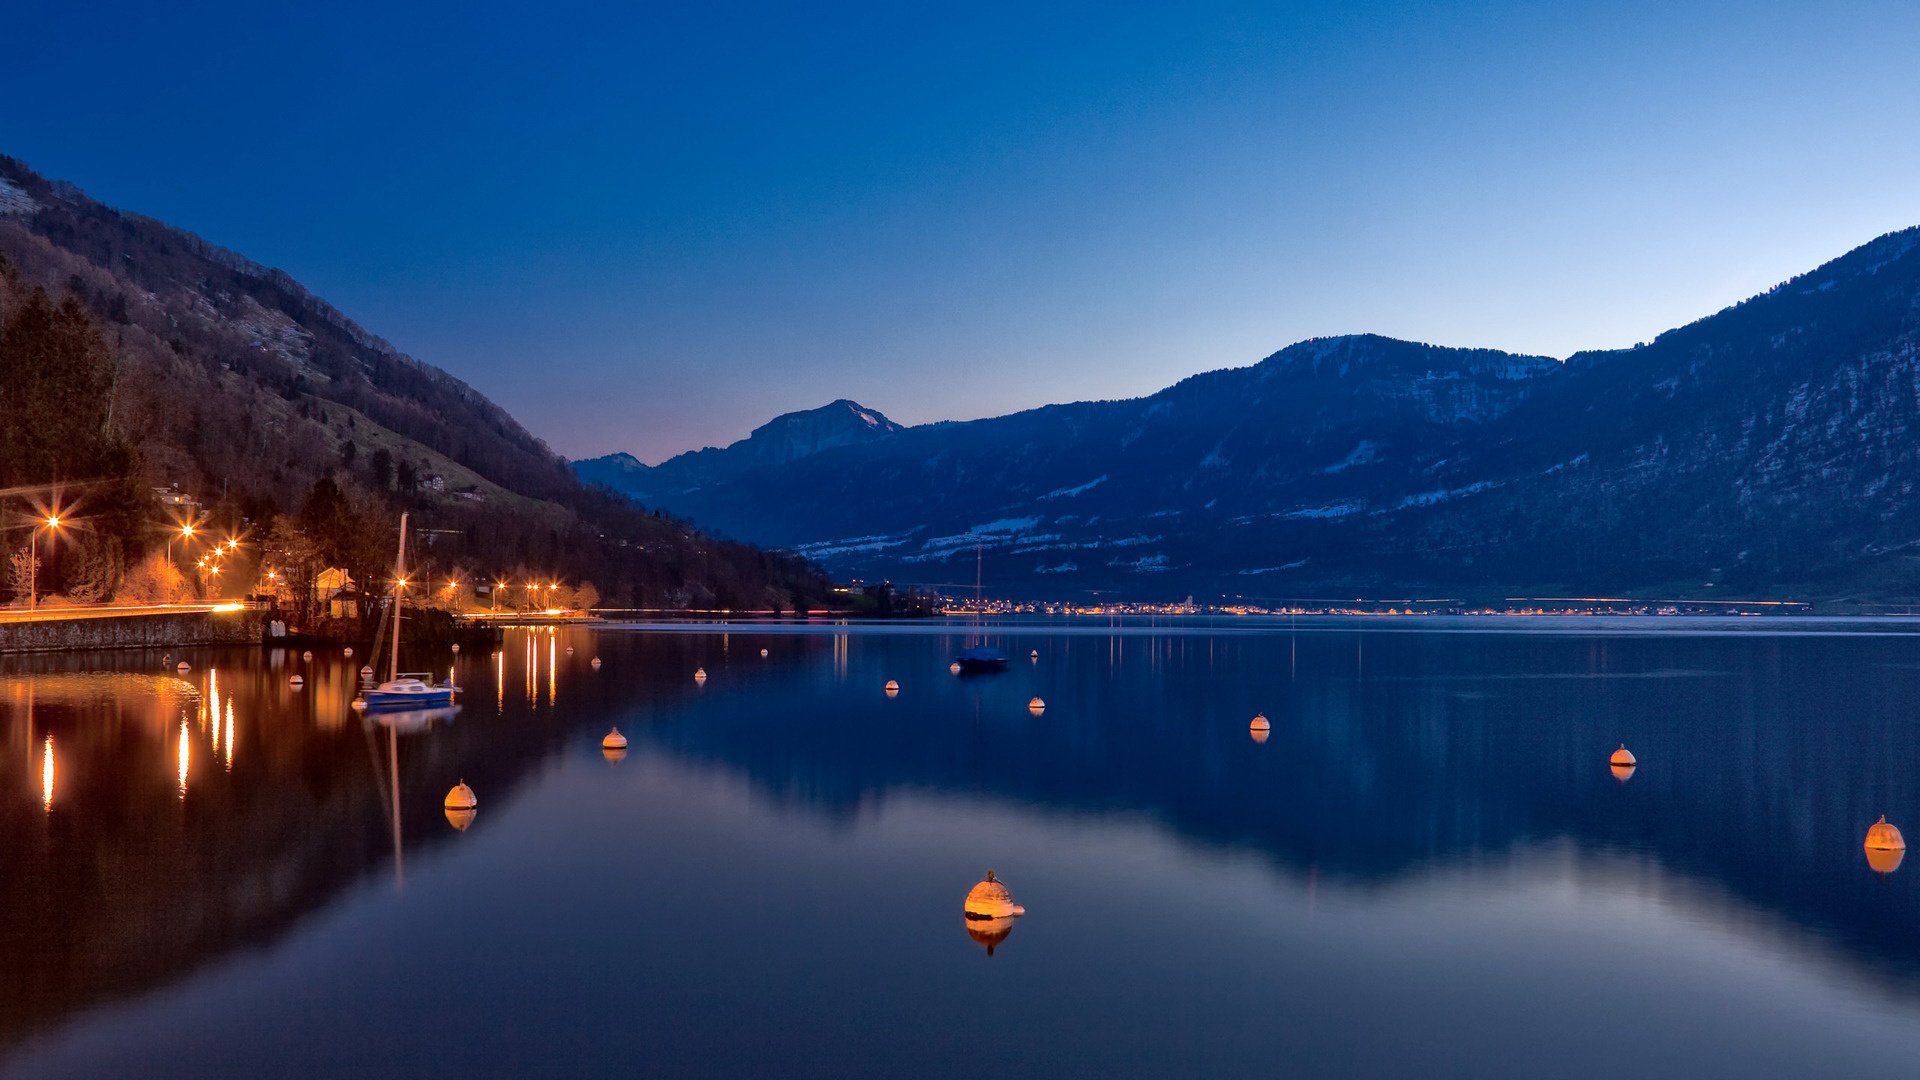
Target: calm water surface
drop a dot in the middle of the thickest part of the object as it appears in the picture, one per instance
(1427, 869)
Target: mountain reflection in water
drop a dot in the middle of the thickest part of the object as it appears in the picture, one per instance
(162, 826)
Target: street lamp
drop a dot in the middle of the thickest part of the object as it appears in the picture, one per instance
(52, 523)
(498, 588)
(184, 532)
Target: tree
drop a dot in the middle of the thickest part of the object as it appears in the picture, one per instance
(584, 597)
(155, 580)
(381, 462)
(21, 567)
(293, 556)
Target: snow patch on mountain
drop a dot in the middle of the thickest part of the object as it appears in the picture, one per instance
(15, 200)
(1070, 492)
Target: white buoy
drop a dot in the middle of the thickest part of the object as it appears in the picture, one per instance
(596, 662)
(569, 650)
(347, 652)
(462, 797)
(892, 688)
(308, 655)
(456, 649)
(296, 682)
(1034, 655)
(699, 674)
(367, 672)
(763, 652)
(184, 667)
(1036, 706)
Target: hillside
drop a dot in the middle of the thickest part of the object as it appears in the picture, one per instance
(1771, 446)
(232, 383)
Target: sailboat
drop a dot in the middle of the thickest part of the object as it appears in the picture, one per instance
(404, 690)
(983, 657)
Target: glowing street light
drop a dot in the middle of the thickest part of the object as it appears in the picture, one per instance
(52, 524)
(498, 588)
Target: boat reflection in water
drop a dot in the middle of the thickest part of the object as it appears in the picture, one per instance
(411, 721)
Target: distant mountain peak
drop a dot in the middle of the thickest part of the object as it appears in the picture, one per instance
(782, 440)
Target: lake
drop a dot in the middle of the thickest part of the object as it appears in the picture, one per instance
(1426, 868)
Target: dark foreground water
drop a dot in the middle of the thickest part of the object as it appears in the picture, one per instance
(1427, 869)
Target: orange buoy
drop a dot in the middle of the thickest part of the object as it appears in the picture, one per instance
(991, 900)
(614, 741)
(1884, 837)
(1886, 848)
(954, 667)
(462, 798)
(1036, 706)
(699, 674)
(1260, 723)
(1623, 756)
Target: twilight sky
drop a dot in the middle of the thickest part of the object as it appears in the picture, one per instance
(652, 227)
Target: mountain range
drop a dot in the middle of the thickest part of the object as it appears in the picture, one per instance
(1771, 447)
(237, 390)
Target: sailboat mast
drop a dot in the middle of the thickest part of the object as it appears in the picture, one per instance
(399, 586)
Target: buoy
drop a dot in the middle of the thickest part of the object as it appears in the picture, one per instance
(456, 650)
(296, 682)
(462, 798)
(595, 662)
(614, 741)
(763, 652)
(308, 655)
(367, 672)
(347, 652)
(183, 668)
(954, 667)
(1884, 837)
(569, 650)
(1886, 848)
(991, 900)
(1034, 655)
(1036, 706)
(699, 674)
(1623, 756)
(461, 818)
(1260, 723)
(892, 688)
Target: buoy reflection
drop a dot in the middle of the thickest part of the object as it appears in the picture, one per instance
(1622, 773)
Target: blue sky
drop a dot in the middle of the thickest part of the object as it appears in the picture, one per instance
(652, 228)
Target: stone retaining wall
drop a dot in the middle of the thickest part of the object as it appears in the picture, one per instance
(134, 632)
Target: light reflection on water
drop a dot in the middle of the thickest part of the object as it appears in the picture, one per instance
(1427, 864)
